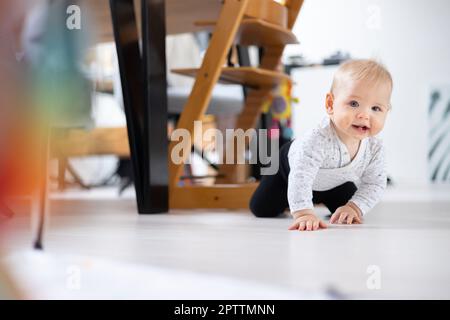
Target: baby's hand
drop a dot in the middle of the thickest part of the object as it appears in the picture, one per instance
(306, 220)
(346, 214)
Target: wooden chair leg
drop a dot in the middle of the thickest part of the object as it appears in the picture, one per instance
(42, 192)
(62, 166)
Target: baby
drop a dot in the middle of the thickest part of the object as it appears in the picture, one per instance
(340, 163)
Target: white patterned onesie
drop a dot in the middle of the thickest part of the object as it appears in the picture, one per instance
(320, 161)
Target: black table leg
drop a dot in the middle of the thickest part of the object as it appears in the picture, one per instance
(144, 90)
(155, 87)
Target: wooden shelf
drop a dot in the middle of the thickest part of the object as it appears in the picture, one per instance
(247, 76)
(257, 32)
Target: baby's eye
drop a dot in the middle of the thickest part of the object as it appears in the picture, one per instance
(354, 104)
(376, 108)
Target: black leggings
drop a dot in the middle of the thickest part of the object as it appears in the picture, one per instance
(270, 198)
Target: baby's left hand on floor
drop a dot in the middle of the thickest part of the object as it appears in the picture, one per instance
(345, 215)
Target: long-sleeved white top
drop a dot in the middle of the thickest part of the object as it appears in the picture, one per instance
(320, 161)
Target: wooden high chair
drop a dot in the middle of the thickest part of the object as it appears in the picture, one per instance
(264, 23)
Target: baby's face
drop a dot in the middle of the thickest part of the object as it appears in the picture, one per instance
(359, 108)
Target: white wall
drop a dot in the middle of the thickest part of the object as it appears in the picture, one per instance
(410, 37)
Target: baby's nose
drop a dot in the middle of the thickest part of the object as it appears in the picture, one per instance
(363, 115)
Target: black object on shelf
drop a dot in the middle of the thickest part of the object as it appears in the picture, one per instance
(298, 61)
(336, 58)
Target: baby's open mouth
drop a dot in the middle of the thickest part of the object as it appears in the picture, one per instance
(360, 128)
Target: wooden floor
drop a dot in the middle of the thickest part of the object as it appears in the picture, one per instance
(407, 241)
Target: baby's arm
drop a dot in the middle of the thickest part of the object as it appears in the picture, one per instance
(373, 182)
(305, 157)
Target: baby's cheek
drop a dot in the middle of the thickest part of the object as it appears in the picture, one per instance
(377, 128)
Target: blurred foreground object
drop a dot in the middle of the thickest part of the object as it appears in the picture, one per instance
(11, 94)
(59, 91)
(42, 87)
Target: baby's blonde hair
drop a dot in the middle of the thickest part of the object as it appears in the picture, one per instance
(361, 69)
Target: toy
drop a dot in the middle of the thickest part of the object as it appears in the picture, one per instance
(279, 104)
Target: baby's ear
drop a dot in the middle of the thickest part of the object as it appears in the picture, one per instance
(329, 100)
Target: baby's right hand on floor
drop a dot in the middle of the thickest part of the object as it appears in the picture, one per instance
(306, 220)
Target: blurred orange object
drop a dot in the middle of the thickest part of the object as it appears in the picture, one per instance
(17, 156)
